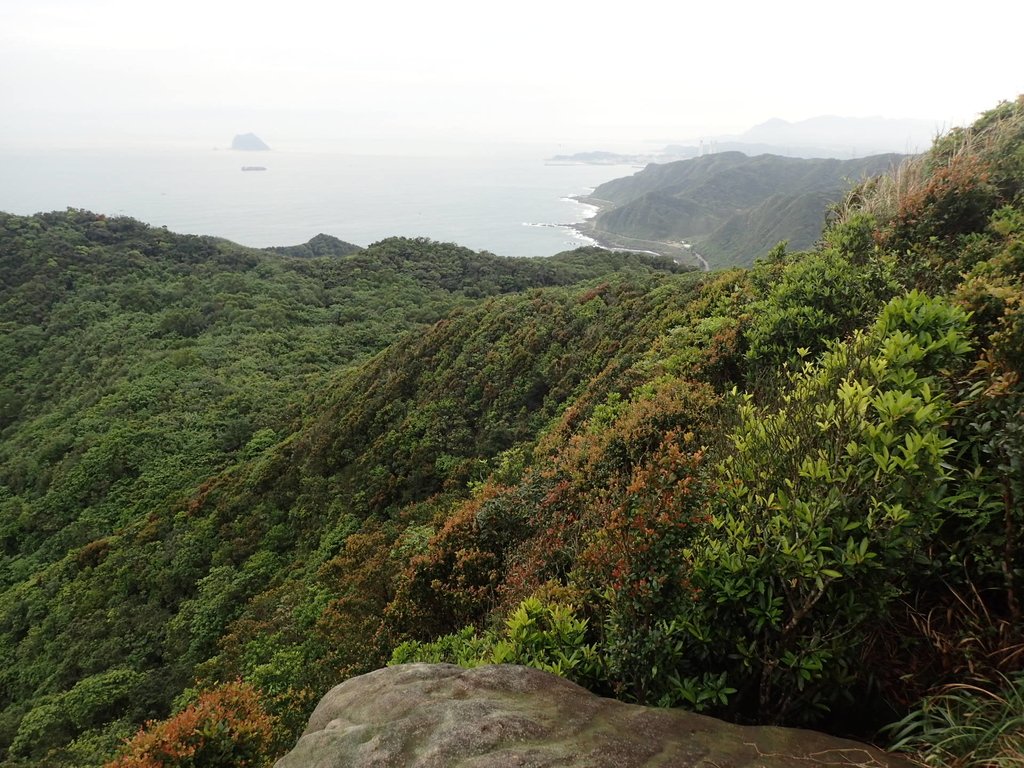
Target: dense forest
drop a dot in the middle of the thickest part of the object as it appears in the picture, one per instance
(232, 478)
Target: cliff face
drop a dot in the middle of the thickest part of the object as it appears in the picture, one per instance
(434, 715)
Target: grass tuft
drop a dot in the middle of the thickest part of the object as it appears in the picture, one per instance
(966, 726)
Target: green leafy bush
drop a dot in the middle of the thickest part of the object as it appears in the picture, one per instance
(817, 298)
(830, 498)
(546, 636)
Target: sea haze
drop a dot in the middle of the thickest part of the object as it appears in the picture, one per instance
(491, 202)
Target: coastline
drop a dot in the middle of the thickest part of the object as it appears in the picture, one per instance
(679, 251)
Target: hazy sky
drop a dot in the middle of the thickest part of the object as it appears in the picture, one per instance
(580, 74)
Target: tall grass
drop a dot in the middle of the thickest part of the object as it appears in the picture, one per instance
(991, 138)
(967, 726)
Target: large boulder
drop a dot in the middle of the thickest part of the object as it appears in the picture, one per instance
(443, 716)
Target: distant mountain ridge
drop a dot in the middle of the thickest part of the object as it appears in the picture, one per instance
(823, 136)
(835, 136)
(731, 207)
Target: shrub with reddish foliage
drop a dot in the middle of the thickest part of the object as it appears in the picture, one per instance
(225, 727)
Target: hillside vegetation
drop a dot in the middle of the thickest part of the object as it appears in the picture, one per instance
(786, 494)
(138, 367)
(731, 207)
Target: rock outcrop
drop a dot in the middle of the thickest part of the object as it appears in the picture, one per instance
(443, 716)
(249, 142)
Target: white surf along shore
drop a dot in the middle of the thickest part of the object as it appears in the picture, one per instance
(584, 231)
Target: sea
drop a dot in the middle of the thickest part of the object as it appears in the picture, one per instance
(511, 203)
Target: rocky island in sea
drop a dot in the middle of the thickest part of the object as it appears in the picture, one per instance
(249, 142)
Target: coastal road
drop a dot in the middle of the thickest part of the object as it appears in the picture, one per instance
(704, 266)
(656, 246)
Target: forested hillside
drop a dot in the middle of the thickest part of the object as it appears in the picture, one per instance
(786, 494)
(731, 207)
(141, 368)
